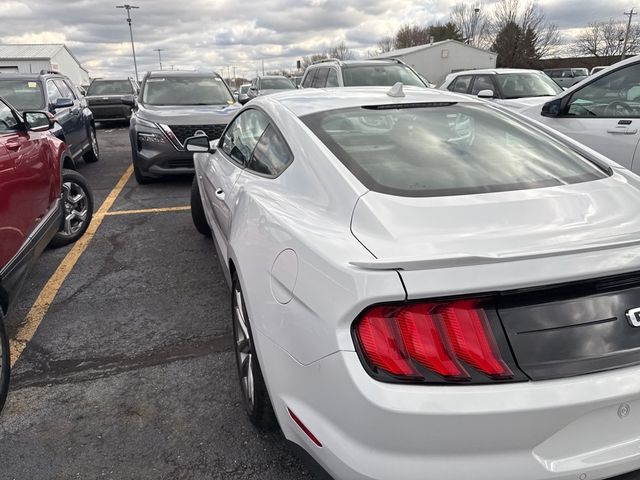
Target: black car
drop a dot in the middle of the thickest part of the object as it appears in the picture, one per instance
(54, 93)
(105, 97)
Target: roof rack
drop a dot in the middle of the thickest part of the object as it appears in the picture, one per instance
(44, 71)
(324, 60)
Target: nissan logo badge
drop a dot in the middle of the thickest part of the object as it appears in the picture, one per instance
(633, 316)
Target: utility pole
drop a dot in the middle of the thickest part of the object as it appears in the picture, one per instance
(626, 35)
(133, 48)
(159, 56)
(263, 66)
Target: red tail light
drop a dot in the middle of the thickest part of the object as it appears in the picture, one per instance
(412, 342)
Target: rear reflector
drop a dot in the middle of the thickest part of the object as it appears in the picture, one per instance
(304, 428)
(413, 341)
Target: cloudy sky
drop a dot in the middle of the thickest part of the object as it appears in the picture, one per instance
(217, 34)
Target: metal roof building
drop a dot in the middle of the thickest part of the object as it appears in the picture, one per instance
(32, 58)
(437, 60)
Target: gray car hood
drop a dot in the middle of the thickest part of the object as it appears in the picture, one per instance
(188, 115)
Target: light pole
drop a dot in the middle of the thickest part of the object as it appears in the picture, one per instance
(626, 35)
(133, 48)
(159, 56)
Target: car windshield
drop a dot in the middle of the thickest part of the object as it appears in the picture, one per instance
(22, 94)
(580, 72)
(162, 91)
(379, 75)
(428, 150)
(110, 87)
(244, 88)
(276, 83)
(519, 85)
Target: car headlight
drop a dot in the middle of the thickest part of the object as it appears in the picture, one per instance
(151, 137)
(145, 123)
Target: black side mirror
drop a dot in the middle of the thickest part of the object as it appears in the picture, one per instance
(38, 121)
(63, 102)
(198, 144)
(552, 108)
(129, 100)
(243, 100)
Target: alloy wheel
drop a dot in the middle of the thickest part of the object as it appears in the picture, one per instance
(76, 208)
(94, 142)
(244, 349)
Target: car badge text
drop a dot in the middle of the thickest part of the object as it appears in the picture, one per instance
(633, 316)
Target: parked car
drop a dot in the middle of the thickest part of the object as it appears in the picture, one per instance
(511, 87)
(55, 93)
(603, 112)
(243, 93)
(360, 73)
(40, 204)
(268, 84)
(567, 77)
(297, 80)
(171, 107)
(425, 282)
(595, 70)
(105, 97)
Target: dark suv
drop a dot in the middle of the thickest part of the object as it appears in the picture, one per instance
(105, 97)
(54, 93)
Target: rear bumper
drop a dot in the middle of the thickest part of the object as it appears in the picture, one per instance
(114, 112)
(557, 429)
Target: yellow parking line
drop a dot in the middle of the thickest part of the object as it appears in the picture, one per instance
(148, 210)
(48, 293)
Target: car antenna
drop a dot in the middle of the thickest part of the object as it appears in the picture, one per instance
(396, 90)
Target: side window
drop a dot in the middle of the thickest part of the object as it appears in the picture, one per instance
(461, 84)
(309, 78)
(8, 122)
(272, 155)
(243, 134)
(73, 88)
(612, 96)
(52, 92)
(332, 79)
(64, 89)
(482, 82)
(320, 80)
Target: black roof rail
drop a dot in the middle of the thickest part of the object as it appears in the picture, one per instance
(325, 60)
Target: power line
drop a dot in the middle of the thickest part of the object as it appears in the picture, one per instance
(626, 35)
(133, 48)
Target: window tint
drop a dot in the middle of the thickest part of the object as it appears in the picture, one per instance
(446, 149)
(22, 94)
(276, 83)
(272, 155)
(519, 85)
(321, 78)
(110, 87)
(614, 95)
(64, 89)
(461, 84)
(332, 79)
(308, 80)
(192, 90)
(482, 82)
(52, 92)
(8, 122)
(243, 134)
(384, 75)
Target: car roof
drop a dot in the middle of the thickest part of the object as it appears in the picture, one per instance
(494, 71)
(180, 73)
(28, 76)
(272, 76)
(313, 100)
(356, 63)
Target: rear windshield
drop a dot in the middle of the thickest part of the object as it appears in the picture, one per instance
(518, 85)
(379, 75)
(110, 87)
(186, 91)
(276, 84)
(22, 94)
(429, 150)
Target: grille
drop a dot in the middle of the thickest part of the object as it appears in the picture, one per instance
(182, 132)
(183, 163)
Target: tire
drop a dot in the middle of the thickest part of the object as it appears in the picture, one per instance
(255, 397)
(78, 209)
(93, 154)
(197, 210)
(5, 363)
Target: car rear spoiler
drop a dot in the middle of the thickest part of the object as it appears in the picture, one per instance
(464, 259)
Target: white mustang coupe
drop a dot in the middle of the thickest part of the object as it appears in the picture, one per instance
(425, 286)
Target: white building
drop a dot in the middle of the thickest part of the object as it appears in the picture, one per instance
(33, 58)
(436, 60)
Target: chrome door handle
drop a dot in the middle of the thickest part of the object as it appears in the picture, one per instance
(623, 131)
(220, 194)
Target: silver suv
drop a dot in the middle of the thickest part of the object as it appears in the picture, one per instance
(360, 73)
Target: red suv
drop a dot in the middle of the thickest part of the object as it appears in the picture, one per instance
(40, 204)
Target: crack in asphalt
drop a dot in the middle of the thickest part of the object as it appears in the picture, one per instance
(71, 371)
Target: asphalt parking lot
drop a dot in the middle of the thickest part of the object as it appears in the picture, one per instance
(129, 373)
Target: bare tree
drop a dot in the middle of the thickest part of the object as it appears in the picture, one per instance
(341, 52)
(411, 35)
(310, 59)
(473, 23)
(386, 44)
(537, 36)
(603, 39)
